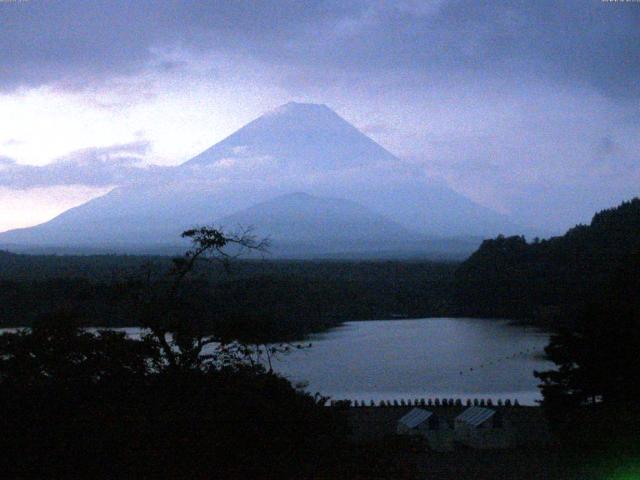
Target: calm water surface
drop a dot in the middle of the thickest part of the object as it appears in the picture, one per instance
(425, 358)
(437, 357)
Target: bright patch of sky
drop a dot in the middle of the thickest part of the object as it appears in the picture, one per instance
(530, 108)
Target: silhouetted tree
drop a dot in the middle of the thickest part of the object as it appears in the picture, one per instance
(56, 350)
(597, 359)
(84, 404)
(169, 308)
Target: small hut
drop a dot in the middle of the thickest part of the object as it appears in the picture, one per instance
(480, 427)
(428, 425)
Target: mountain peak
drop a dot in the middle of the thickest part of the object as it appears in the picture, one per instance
(302, 106)
(299, 195)
(315, 114)
(307, 136)
(297, 147)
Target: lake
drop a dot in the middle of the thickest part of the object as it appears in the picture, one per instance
(426, 358)
(422, 358)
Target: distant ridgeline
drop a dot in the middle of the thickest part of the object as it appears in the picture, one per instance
(506, 277)
(277, 299)
(544, 280)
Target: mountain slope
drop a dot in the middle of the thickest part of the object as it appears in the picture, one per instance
(313, 149)
(303, 217)
(296, 148)
(300, 137)
(300, 223)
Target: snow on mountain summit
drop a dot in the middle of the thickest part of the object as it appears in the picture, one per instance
(304, 136)
(251, 175)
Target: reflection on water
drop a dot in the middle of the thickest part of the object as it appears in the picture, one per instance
(438, 357)
(426, 358)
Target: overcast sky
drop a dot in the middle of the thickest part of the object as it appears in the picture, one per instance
(529, 107)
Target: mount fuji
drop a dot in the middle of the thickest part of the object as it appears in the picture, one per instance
(358, 197)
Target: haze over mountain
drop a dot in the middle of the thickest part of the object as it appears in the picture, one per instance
(299, 137)
(358, 196)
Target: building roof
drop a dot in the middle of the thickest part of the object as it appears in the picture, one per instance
(415, 417)
(475, 415)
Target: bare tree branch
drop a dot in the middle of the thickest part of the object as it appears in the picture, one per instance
(183, 342)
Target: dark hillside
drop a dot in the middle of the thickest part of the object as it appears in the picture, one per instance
(289, 297)
(508, 277)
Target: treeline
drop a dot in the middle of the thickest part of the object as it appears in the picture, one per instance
(585, 285)
(188, 399)
(544, 281)
(548, 280)
(79, 404)
(289, 298)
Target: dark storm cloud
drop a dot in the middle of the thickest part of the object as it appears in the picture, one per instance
(78, 42)
(97, 167)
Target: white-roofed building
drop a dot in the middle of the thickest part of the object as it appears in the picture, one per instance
(480, 427)
(425, 423)
(477, 417)
(416, 419)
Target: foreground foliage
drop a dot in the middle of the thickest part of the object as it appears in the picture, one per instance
(592, 395)
(79, 403)
(189, 399)
(586, 286)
